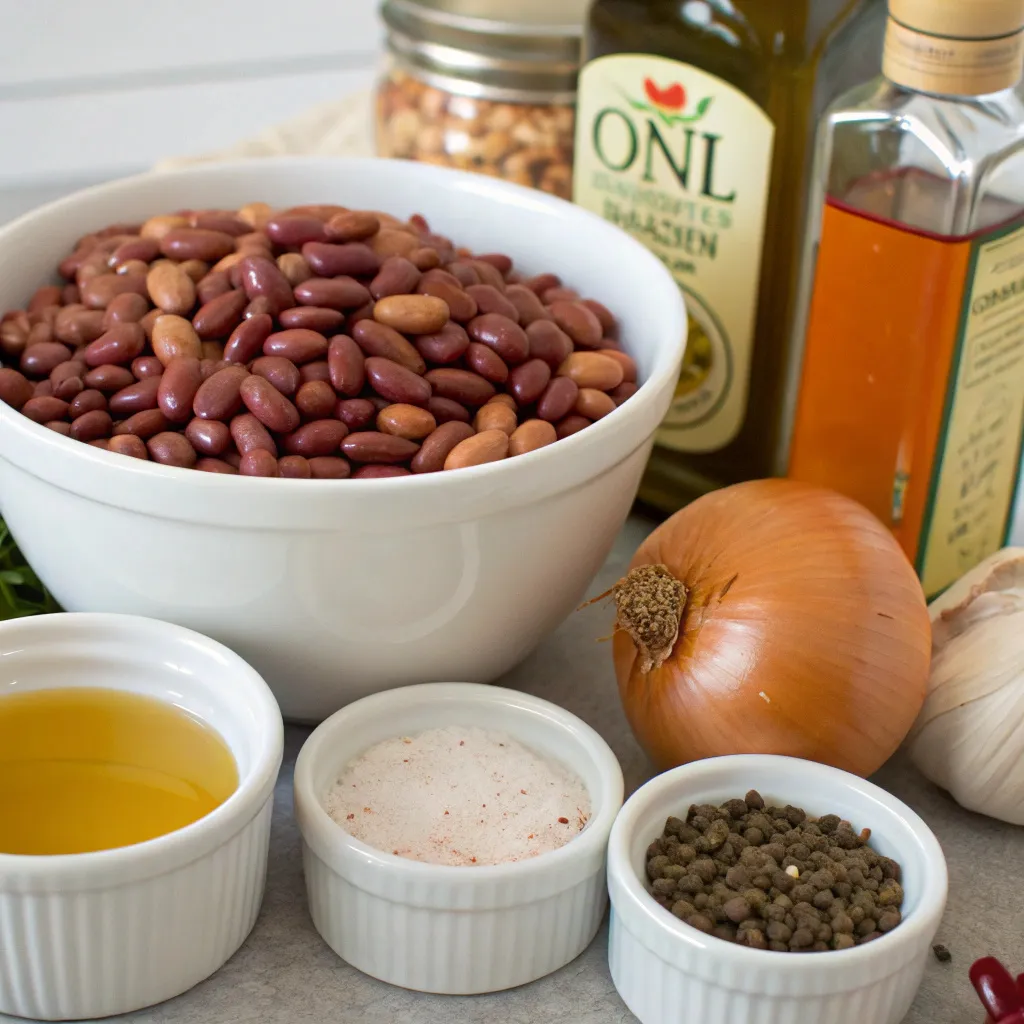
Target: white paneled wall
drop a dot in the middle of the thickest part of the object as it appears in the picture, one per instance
(103, 88)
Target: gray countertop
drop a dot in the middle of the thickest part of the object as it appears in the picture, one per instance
(285, 973)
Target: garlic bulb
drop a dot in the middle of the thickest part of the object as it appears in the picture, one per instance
(969, 737)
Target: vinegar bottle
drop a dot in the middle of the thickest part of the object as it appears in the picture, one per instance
(912, 391)
(694, 133)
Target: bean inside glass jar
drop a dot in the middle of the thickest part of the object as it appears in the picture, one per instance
(312, 342)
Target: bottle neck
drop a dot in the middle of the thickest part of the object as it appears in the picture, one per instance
(952, 67)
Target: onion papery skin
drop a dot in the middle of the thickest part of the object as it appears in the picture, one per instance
(805, 633)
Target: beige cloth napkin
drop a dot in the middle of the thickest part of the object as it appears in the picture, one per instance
(340, 128)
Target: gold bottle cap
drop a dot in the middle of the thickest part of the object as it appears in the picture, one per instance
(955, 47)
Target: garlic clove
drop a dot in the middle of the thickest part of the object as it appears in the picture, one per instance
(969, 737)
(1000, 574)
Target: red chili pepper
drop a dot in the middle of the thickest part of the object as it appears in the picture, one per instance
(1001, 996)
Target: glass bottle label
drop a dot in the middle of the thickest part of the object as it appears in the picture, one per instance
(682, 161)
(976, 473)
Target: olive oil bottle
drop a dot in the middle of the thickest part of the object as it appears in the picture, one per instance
(695, 128)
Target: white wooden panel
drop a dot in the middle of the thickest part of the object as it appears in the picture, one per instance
(53, 41)
(115, 133)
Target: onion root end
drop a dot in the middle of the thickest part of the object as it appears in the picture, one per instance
(649, 604)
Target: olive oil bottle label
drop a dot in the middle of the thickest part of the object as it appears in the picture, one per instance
(682, 161)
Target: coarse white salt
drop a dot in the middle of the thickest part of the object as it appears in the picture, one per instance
(459, 796)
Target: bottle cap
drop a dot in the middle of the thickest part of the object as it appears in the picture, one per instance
(955, 47)
(960, 19)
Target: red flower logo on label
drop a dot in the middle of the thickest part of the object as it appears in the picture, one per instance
(671, 98)
(668, 103)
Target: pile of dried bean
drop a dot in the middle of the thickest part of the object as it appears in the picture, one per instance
(311, 342)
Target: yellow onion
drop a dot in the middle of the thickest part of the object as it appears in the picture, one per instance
(772, 617)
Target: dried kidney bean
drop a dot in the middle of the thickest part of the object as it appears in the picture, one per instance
(373, 446)
(91, 426)
(135, 397)
(246, 340)
(294, 467)
(281, 372)
(333, 293)
(528, 381)
(262, 276)
(558, 399)
(594, 404)
(15, 388)
(120, 344)
(248, 433)
(177, 388)
(346, 365)
(394, 382)
(258, 462)
(496, 416)
(460, 386)
(329, 467)
(530, 436)
(313, 318)
(171, 449)
(319, 437)
(352, 258)
(128, 444)
(146, 366)
(211, 437)
(570, 425)
(298, 344)
(316, 370)
(294, 230)
(480, 359)
(461, 305)
(374, 472)
(144, 424)
(315, 399)
(381, 341)
(268, 405)
(356, 413)
(218, 397)
(444, 347)
(41, 358)
(44, 408)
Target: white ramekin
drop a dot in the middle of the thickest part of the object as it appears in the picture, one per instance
(454, 930)
(670, 973)
(96, 934)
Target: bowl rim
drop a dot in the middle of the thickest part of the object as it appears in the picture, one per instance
(164, 853)
(632, 901)
(507, 474)
(322, 828)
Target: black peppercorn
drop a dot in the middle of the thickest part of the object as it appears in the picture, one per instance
(772, 878)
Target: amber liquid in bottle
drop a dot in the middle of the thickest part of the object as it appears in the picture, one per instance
(695, 131)
(911, 396)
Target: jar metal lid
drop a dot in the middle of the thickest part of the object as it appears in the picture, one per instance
(474, 47)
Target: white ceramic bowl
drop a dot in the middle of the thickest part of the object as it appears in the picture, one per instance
(670, 973)
(336, 589)
(95, 934)
(454, 930)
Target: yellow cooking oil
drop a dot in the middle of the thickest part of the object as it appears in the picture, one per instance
(84, 769)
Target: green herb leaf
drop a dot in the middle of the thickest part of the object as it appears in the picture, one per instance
(21, 592)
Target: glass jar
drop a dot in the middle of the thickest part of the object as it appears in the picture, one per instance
(466, 87)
